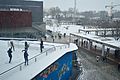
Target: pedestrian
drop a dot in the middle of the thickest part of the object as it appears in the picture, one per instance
(10, 54)
(97, 58)
(55, 36)
(25, 56)
(106, 55)
(116, 53)
(119, 66)
(95, 47)
(41, 45)
(45, 38)
(12, 45)
(81, 43)
(26, 45)
(64, 35)
(53, 39)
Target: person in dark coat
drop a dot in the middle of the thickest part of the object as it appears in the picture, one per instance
(25, 56)
(119, 66)
(12, 45)
(26, 46)
(41, 45)
(10, 54)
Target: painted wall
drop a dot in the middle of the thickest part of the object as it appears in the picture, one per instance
(60, 70)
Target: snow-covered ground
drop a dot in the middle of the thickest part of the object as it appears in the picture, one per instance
(34, 49)
(64, 28)
(75, 29)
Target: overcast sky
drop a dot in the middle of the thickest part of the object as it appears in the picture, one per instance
(82, 5)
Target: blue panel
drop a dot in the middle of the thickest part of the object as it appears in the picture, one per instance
(60, 70)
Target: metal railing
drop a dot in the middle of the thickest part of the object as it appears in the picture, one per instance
(21, 66)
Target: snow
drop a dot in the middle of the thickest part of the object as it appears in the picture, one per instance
(74, 29)
(95, 29)
(54, 52)
(31, 72)
(65, 28)
(103, 40)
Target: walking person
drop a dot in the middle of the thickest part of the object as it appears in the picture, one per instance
(10, 54)
(26, 45)
(12, 45)
(41, 45)
(119, 66)
(25, 56)
(95, 47)
(97, 58)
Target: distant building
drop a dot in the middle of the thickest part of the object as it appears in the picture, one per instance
(20, 18)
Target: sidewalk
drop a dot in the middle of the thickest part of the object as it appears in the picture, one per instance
(93, 70)
(56, 39)
(99, 52)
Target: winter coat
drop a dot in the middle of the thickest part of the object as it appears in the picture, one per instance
(9, 53)
(25, 54)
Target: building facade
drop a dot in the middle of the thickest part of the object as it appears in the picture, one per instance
(20, 18)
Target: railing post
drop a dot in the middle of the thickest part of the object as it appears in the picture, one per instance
(68, 45)
(46, 53)
(35, 59)
(20, 67)
(65, 46)
(54, 48)
(60, 47)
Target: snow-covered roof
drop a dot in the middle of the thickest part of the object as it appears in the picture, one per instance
(98, 29)
(51, 53)
(98, 39)
(34, 0)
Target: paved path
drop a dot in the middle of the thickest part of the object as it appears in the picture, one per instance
(93, 70)
(58, 40)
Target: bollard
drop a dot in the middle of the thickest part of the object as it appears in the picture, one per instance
(54, 48)
(61, 47)
(20, 68)
(68, 45)
(65, 46)
(35, 59)
(46, 53)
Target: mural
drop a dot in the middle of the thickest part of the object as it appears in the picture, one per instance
(60, 70)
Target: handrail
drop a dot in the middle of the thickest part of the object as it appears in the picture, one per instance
(22, 63)
(11, 68)
(54, 48)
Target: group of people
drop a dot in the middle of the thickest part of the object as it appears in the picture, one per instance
(12, 48)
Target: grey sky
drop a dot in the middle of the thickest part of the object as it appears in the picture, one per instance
(82, 5)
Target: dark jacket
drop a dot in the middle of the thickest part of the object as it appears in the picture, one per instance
(25, 54)
(9, 53)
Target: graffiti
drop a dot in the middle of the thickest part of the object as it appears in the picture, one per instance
(63, 70)
(49, 70)
(60, 70)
